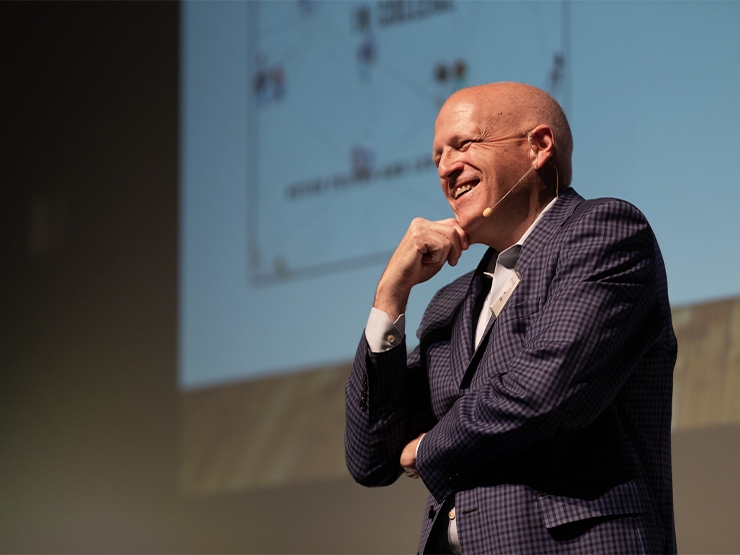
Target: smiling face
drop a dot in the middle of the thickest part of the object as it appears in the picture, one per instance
(481, 151)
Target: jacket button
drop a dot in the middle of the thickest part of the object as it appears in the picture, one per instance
(451, 514)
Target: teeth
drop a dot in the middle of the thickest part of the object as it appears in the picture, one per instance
(457, 193)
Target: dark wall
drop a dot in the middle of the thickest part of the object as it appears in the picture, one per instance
(88, 416)
(88, 313)
(88, 303)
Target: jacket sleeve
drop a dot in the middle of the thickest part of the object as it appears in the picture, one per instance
(387, 405)
(599, 316)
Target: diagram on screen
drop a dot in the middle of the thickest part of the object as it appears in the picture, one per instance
(341, 108)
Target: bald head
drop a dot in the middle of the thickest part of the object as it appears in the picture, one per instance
(519, 108)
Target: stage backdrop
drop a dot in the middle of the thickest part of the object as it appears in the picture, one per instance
(305, 151)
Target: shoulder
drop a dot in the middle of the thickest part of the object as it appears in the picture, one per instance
(600, 210)
(578, 223)
(606, 240)
(609, 220)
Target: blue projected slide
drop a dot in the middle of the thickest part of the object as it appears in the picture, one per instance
(341, 107)
(306, 133)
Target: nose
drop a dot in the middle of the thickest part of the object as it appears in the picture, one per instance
(449, 163)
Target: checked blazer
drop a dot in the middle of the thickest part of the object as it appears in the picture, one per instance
(558, 440)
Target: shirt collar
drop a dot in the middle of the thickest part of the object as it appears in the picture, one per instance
(508, 257)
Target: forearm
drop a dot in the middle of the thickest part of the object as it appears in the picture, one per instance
(391, 297)
(387, 399)
(378, 415)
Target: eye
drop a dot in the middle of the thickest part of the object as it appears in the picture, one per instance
(464, 145)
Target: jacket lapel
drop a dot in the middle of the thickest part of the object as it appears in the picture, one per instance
(550, 222)
(462, 337)
(463, 355)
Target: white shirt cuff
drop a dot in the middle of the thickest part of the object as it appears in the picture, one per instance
(381, 333)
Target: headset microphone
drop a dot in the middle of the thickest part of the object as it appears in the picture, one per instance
(487, 211)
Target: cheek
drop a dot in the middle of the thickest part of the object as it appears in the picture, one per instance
(443, 186)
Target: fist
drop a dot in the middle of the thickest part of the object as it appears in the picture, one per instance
(422, 252)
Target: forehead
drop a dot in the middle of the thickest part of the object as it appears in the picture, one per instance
(455, 118)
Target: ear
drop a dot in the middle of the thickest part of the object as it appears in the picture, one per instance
(542, 144)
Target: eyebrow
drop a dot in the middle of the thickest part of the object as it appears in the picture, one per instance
(455, 139)
(436, 155)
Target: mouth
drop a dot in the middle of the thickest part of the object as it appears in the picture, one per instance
(461, 189)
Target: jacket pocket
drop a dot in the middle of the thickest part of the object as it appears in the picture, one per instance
(624, 499)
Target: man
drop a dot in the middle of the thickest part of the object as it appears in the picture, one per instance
(538, 413)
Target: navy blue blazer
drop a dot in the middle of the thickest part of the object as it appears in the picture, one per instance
(554, 435)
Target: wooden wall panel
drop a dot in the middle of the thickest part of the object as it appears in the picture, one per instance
(276, 431)
(289, 429)
(707, 376)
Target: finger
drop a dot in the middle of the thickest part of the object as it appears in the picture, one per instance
(456, 249)
(455, 236)
(424, 250)
(438, 254)
(464, 239)
(411, 473)
(439, 241)
(429, 239)
(452, 223)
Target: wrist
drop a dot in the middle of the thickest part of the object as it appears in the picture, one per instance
(391, 301)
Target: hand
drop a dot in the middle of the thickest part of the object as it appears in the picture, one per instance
(408, 457)
(420, 255)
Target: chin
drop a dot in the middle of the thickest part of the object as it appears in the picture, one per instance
(472, 226)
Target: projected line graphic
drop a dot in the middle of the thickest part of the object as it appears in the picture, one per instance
(341, 106)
